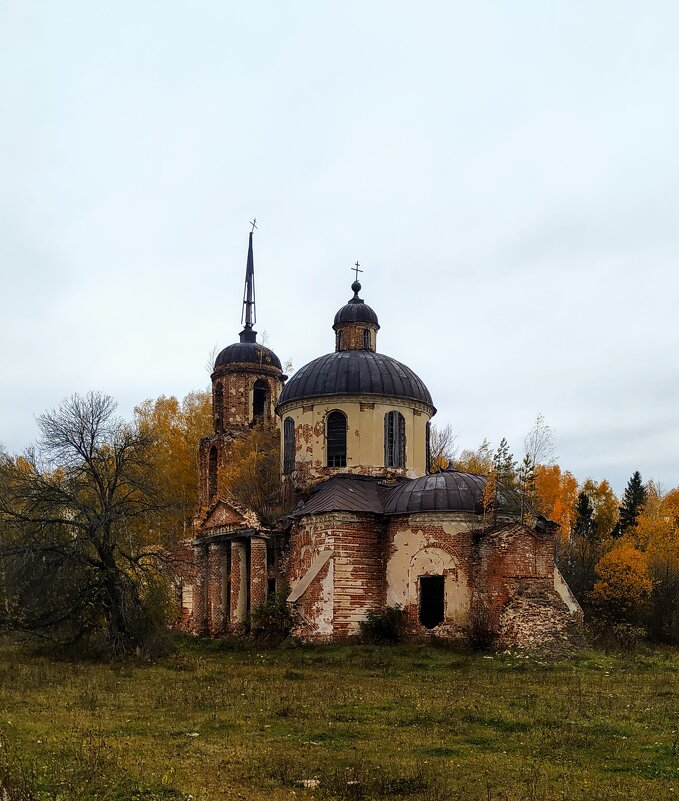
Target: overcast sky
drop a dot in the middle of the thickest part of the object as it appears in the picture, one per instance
(506, 173)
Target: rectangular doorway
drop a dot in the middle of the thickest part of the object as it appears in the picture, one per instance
(432, 601)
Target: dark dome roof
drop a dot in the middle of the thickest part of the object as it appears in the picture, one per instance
(356, 313)
(447, 491)
(356, 310)
(249, 352)
(355, 372)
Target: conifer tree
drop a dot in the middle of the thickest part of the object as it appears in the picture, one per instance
(633, 500)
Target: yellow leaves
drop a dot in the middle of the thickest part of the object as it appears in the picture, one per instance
(176, 429)
(624, 587)
(556, 494)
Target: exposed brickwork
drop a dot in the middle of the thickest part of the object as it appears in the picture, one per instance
(199, 621)
(258, 572)
(353, 336)
(238, 585)
(216, 584)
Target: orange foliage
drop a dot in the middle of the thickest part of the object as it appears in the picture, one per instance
(556, 496)
(623, 588)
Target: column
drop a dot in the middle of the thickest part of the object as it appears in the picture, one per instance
(199, 616)
(215, 588)
(239, 587)
(258, 572)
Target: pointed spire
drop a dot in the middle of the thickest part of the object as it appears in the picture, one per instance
(249, 315)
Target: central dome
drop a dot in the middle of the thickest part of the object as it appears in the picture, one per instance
(355, 372)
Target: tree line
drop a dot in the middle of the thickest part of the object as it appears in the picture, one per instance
(620, 556)
(89, 516)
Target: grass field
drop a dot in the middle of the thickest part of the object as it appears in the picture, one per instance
(349, 722)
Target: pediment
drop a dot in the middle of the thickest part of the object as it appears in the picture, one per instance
(223, 515)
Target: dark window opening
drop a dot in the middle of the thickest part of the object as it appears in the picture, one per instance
(336, 439)
(366, 339)
(288, 446)
(260, 395)
(432, 597)
(219, 408)
(428, 447)
(340, 340)
(394, 440)
(212, 473)
(271, 587)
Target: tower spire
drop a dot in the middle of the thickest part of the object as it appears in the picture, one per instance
(249, 314)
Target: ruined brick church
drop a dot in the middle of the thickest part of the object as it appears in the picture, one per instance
(372, 527)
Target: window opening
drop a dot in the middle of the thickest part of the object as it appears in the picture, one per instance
(432, 596)
(260, 394)
(219, 408)
(340, 340)
(394, 440)
(212, 473)
(336, 439)
(288, 446)
(366, 339)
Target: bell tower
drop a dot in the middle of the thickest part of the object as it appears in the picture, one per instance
(246, 383)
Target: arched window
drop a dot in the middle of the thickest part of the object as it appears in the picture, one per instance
(260, 396)
(339, 340)
(366, 339)
(288, 446)
(336, 439)
(394, 440)
(427, 446)
(219, 408)
(212, 473)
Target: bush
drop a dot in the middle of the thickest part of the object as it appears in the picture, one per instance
(482, 628)
(274, 620)
(386, 626)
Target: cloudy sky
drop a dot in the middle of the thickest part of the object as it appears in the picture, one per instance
(506, 173)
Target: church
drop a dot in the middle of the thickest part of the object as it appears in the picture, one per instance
(369, 526)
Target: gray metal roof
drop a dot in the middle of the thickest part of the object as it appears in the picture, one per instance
(355, 372)
(448, 491)
(356, 310)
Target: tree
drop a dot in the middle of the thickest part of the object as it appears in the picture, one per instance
(253, 476)
(604, 504)
(72, 562)
(555, 494)
(580, 553)
(623, 587)
(539, 443)
(442, 447)
(478, 462)
(504, 465)
(633, 500)
(176, 429)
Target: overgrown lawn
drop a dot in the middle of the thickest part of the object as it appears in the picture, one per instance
(218, 721)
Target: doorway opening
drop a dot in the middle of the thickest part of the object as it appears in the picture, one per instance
(432, 601)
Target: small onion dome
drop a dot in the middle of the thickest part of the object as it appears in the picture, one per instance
(356, 310)
(448, 491)
(248, 351)
(355, 372)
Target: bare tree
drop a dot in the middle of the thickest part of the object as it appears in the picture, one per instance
(442, 447)
(72, 515)
(539, 443)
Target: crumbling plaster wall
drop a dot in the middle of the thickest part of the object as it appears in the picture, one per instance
(365, 437)
(350, 584)
(431, 545)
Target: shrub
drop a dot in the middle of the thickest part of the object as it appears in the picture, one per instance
(482, 628)
(386, 626)
(274, 620)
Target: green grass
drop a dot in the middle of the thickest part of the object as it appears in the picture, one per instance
(216, 721)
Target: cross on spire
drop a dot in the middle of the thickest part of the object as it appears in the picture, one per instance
(356, 270)
(253, 223)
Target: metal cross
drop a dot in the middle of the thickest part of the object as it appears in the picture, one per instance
(357, 271)
(253, 223)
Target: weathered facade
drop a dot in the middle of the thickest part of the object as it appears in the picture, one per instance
(371, 527)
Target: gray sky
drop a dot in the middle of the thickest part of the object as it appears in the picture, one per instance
(506, 173)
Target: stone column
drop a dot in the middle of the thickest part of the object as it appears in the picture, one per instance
(199, 622)
(258, 572)
(239, 587)
(215, 588)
